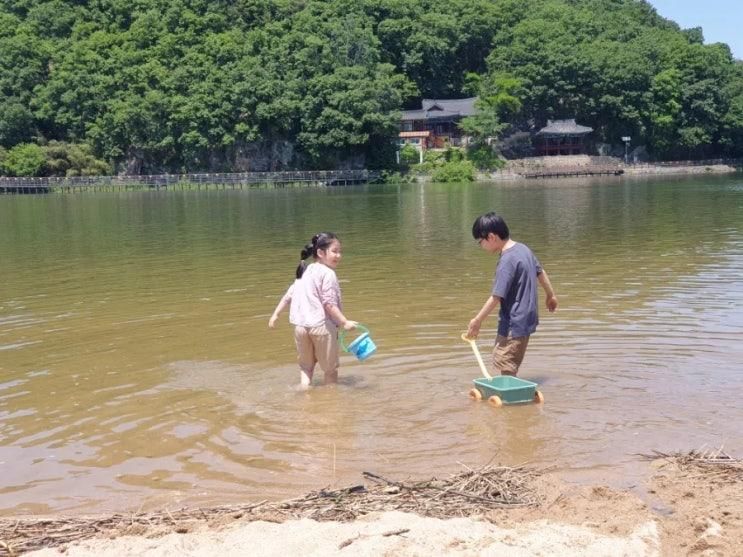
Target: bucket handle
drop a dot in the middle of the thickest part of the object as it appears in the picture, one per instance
(342, 336)
(476, 350)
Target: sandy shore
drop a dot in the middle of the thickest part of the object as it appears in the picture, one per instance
(391, 533)
(694, 506)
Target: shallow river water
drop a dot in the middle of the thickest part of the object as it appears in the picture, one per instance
(137, 370)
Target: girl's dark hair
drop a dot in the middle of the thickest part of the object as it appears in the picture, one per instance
(319, 241)
(487, 223)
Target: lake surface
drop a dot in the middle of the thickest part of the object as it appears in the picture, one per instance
(137, 370)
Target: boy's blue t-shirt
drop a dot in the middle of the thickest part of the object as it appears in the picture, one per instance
(515, 284)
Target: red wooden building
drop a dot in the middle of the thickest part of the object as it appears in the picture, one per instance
(436, 124)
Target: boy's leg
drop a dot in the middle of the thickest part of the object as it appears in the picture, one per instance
(508, 353)
(325, 340)
(305, 355)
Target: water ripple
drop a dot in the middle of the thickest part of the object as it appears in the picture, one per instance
(138, 368)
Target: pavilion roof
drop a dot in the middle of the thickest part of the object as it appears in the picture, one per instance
(442, 109)
(564, 127)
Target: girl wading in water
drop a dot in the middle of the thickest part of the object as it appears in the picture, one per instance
(315, 309)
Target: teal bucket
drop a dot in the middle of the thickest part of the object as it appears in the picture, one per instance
(362, 347)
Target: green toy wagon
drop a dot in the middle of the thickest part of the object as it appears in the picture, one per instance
(506, 389)
(503, 389)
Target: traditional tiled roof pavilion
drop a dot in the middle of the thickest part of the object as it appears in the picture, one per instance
(441, 110)
(562, 137)
(435, 124)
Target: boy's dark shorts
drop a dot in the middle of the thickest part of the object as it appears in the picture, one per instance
(508, 353)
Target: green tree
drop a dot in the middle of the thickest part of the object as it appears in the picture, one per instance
(25, 159)
(665, 110)
(180, 85)
(66, 159)
(16, 123)
(348, 107)
(409, 156)
(731, 130)
(498, 103)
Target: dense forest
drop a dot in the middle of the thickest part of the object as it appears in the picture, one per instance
(95, 86)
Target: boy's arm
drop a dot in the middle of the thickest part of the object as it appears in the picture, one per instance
(490, 304)
(544, 281)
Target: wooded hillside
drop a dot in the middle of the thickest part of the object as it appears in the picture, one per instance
(186, 85)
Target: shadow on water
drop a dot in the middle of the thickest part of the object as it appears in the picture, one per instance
(137, 370)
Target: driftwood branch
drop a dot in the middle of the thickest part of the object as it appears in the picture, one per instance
(469, 493)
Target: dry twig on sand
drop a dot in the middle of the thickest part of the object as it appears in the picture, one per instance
(466, 494)
(707, 463)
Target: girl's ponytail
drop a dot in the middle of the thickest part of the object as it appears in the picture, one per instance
(319, 241)
(306, 252)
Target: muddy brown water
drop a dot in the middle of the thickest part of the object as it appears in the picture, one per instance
(137, 370)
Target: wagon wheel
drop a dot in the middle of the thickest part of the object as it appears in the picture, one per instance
(475, 394)
(538, 397)
(495, 400)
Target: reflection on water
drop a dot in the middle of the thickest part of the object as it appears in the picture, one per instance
(137, 371)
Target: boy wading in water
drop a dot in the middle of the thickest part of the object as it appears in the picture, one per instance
(515, 289)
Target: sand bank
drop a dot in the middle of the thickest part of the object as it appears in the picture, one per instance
(693, 505)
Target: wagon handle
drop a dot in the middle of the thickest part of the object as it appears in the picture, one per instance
(473, 344)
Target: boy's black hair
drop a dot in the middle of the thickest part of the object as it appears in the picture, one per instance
(487, 223)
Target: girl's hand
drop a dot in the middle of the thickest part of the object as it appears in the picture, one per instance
(350, 325)
(272, 322)
(551, 303)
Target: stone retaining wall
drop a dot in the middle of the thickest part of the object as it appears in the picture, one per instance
(644, 169)
(517, 168)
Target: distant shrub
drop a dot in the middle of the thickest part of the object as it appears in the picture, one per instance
(73, 159)
(389, 177)
(25, 159)
(434, 158)
(57, 158)
(454, 154)
(484, 157)
(458, 171)
(409, 155)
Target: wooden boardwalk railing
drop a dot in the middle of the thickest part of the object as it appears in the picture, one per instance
(558, 171)
(236, 180)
